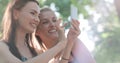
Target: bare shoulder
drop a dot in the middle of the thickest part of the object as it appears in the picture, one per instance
(6, 56)
(3, 47)
(3, 50)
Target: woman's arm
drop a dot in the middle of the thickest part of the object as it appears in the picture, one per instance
(66, 54)
(50, 53)
(71, 37)
(7, 57)
(44, 57)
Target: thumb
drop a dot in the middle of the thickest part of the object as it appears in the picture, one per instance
(59, 21)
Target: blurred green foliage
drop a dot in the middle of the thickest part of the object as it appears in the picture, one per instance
(3, 4)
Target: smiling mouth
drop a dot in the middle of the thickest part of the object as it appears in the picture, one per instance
(51, 31)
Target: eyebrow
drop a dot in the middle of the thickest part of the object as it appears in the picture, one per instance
(44, 19)
(34, 11)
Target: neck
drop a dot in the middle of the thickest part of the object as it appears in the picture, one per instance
(20, 37)
(49, 43)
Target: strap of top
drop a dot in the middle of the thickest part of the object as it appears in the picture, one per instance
(23, 58)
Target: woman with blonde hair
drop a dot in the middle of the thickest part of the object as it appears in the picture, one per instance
(47, 35)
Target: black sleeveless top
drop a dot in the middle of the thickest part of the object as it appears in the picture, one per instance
(22, 57)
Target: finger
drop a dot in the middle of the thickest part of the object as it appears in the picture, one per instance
(75, 26)
(59, 21)
(64, 25)
(76, 22)
(74, 32)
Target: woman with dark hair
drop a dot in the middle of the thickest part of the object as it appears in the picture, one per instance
(19, 22)
(47, 35)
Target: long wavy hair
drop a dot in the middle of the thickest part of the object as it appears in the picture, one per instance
(44, 9)
(10, 25)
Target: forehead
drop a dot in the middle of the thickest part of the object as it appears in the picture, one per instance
(47, 14)
(31, 6)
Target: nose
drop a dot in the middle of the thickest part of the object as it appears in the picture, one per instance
(52, 23)
(37, 19)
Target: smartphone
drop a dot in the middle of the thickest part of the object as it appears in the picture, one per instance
(74, 12)
(73, 15)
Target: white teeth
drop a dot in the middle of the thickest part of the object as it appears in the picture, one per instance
(52, 31)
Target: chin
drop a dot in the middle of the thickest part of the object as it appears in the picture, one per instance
(31, 31)
(54, 35)
(54, 39)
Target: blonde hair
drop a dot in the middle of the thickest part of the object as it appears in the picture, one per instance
(43, 9)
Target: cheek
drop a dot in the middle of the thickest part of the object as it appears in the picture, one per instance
(24, 21)
(23, 17)
(45, 27)
(56, 24)
(42, 33)
(43, 30)
(26, 16)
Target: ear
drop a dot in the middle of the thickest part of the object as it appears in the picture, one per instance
(16, 14)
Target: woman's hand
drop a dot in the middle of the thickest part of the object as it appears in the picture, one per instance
(61, 33)
(74, 31)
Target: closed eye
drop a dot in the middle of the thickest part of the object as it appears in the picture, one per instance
(54, 20)
(32, 13)
(45, 21)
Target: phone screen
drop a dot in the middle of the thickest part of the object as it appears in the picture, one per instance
(74, 12)
(73, 15)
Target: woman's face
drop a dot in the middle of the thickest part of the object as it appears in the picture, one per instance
(47, 26)
(28, 17)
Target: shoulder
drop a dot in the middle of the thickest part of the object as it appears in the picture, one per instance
(78, 42)
(3, 50)
(5, 55)
(3, 46)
